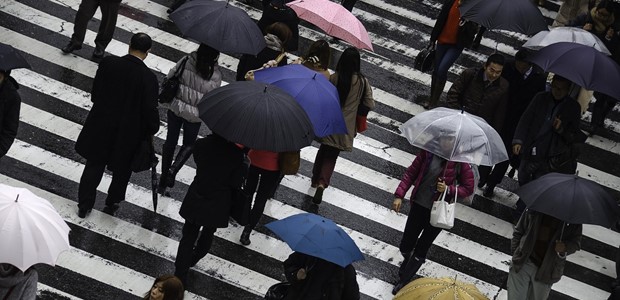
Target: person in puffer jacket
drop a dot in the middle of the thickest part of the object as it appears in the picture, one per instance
(200, 75)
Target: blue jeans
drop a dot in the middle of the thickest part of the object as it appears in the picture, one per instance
(445, 56)
(190, 131)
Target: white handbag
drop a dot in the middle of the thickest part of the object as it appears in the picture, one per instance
(442, 212)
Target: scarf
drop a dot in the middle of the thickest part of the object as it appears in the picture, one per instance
(273, 42)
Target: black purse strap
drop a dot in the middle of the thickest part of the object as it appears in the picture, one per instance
(181, 68)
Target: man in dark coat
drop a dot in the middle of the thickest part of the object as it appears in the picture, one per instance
(10, 103)
(86, 11)
(546, 134)
(484, 93)
(124, 113)
(525, 81)
(220, 171)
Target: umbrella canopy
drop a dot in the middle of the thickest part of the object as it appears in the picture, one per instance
(317, 236)
(31, 230)
(455, 136)
(439, 289)
(258, 115)
(512, 15)
(316, 95)
(334, 19)
(582, 65)
(566, 34)
(571, 199)
(220, 25)
(11, 59)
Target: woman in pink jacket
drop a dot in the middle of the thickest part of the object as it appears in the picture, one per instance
(430, 175)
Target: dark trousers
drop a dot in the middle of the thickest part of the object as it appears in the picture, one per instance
(175, 123)
(86, 11)
(603, 105)
(91, 177)
(418, 222)
(348, 4)
(324, 165)
(188, 254)
(497, 174)
(445, 56)
(269, 181)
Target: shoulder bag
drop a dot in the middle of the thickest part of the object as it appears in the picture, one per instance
(170, 86)
(425, 59)
(442, 212)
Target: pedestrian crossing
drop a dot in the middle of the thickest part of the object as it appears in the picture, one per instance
(118, 257)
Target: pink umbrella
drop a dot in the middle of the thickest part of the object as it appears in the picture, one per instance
(334, 19)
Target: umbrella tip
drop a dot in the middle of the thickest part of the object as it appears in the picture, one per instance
(16, 198)
(314, 77)
(264, 91)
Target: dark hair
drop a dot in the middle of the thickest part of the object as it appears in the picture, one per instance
(280, 30)
(171, 285)
(522, 54)
(206, 58)
(348, 65)
(607, 5)
(141, 42)
(495, 58)
(557, 77)
(322, 51)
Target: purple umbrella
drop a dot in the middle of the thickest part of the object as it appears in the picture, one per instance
(581, 64)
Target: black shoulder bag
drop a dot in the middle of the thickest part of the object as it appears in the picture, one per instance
(170, 86)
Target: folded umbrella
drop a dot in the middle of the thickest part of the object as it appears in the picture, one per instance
(334, 19)
(317, 236)
(465, 137)
(31, 230)
(570, 198)
(258, 115)
(513, 15)
(316, 95)
(11, 59)
(445, 288)
(220, 25)
(582, 65)
(566, 34)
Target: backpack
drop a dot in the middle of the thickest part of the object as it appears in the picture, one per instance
(469, 200)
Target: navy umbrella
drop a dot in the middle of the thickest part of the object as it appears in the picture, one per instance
(571, 199)
(258, 115)
(316, 95)
(581, 64)
(317, 236)
(11, 59)
(220, 25)
(513, 15)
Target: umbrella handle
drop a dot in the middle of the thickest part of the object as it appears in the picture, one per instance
(561, 234)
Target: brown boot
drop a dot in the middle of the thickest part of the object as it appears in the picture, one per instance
(436, 91)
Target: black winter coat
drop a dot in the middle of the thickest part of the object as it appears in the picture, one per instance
(220, 170)
(124, 112)
(249, 62)
(10, 103)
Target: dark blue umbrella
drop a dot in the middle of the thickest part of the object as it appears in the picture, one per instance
(512, 15)
(11, 59)
(316, 95)
(317, 236)
(220, 25)
(581, 64)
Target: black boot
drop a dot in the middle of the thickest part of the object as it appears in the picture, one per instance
(166, 162)
(179, 161)
(245, 236)
(401, 270)
(424, 100)
(436, 91)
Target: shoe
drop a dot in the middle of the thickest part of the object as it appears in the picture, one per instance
(98, 53)
(72, 46)
(488, 191)
(245, 237)
(111, 209)
(318, 195)
(82, 212)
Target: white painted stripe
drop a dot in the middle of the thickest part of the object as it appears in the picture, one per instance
(42, 287)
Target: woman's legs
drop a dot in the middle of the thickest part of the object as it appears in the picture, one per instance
(445, 56)
(172, 137)
(269, 181)
(322, 171)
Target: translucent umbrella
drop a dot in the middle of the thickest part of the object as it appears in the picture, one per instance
(31, 230)
(439, 289)
(565, 34)
(456, 136)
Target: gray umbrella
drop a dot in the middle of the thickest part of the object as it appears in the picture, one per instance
(512, 15)
(571, 199)
(257, 115)
(220, 25)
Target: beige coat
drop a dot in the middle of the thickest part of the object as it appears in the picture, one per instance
(344, 142)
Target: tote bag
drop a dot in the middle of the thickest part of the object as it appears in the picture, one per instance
(442, 212)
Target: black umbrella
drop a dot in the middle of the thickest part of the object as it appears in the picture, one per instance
(11, 59)
(154, 181)
(257, 115)
(571, 199)
(220, 25)
(512, 15)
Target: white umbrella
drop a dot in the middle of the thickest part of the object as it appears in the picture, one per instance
(565, 34)
(31, 231)
(455, 136)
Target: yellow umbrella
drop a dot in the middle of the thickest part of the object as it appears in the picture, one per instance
(439, 289)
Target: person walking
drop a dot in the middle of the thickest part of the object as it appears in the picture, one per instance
(524, 81)
(220, 171)
(430, 175)
(201, 74)
(86, 11)
(276, 38)
(317, 57)
(540, 244)
(354, 91)
(277, 11)
(165, 287)
(124, 113)
(18, 285)
(10, 104)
